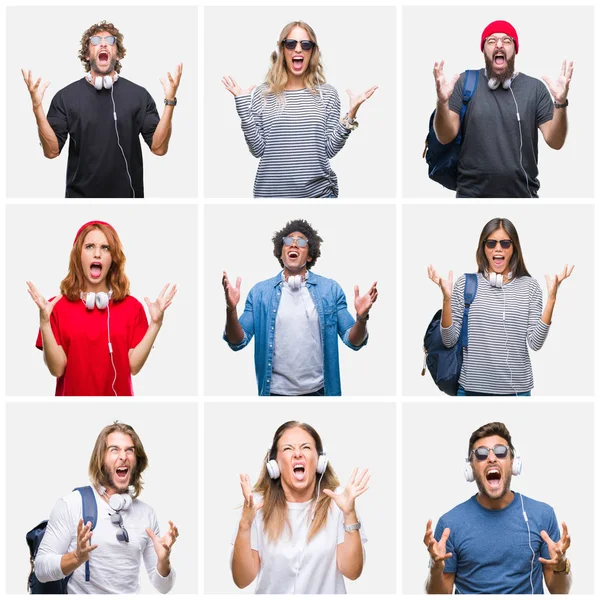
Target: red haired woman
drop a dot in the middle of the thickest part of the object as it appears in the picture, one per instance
(94, 334)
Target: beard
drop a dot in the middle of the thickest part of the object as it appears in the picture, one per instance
(103, 70)
(480, 481)
(506, 74)
(121, 489)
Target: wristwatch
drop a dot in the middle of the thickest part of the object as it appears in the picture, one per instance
(353, 527)
(362, 319)
(557, 105)
(567, 568)
(171, 102)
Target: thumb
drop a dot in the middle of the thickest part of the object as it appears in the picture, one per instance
(329, 493)
(445, 535)
(148, 301)
(238, 281)
(356, 292)
(259, 505)
(151, 534)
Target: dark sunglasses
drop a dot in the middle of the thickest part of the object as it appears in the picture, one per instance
(109, 39)
(306, 45)
(300, 242)
(117, 519)
(481, 453)
(491, 244)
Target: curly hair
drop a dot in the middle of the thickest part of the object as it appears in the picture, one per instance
(277, 76)
(93, 30)
(305, 228)
(97, 473)
(116, 280)
(275, 510)
(488, 430)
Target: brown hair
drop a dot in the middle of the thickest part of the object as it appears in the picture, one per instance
(495, 428)
(275, 511)
(517, 263)
(96, 469)
(117, 281)
(93, 30)
(277, 76)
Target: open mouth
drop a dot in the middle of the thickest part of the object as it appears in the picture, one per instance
(103, 57)
(299, 471)
(122, 473)
(498, 261)
(493, 478)
(293, 254)
(297, 63)
(96, 270)
(499, 59)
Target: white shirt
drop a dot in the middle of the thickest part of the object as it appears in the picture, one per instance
(298, 352)
(290, 565)
(114, 565)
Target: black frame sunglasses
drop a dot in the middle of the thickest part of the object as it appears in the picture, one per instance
(482, 452)
(117, 519)
(491, 244)
(306, 45)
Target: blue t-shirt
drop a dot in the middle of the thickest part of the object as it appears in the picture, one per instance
(491, 551)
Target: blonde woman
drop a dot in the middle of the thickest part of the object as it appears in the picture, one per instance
(292, 121)
(299, 532)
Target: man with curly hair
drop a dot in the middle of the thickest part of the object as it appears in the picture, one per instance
(296, 317)
(103, 114)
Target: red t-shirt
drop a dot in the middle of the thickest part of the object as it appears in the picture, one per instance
(83, 335)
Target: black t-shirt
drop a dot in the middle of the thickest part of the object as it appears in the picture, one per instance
(489, 164)
(96, 167)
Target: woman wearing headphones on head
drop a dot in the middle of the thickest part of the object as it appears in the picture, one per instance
(94, 335)
(505, 317)
(299, 532)
(292, 121)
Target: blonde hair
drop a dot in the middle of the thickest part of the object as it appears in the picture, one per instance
(275, 510)
(277, 76)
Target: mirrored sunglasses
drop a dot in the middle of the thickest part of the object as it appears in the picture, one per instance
(109, 39)
(481, 453)
(300, 242)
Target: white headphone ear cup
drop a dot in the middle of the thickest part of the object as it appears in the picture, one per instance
(108, 82)
(468, 471)
(322, 463)
(90, 300)
(98, 83)
(273, 469)
(517, 466)
(101, 300)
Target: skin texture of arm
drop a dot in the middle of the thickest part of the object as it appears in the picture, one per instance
(162, 133)
(555, 130)
(233, 330)
(557, 583)
(445, 123)
(350, 553)
(439, 582)
(553, 283)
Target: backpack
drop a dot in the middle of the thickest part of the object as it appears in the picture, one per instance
(442, 159)
(443, 363)
(34, 537)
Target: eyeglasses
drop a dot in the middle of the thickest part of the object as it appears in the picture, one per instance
(117, 519)
(491, 244)
(506, 41)
(481, 453)
(109, 39)
(300, 242)
(306, 45)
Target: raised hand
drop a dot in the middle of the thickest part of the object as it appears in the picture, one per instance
(232, 294)
(171, 84)
(84, 535)
(363, 304)
(557, 550)
(357, 99)
(553, 282)
(443, 88)
(445, 284)
(163, 545)
(45, 307)
(560, 88)
(437, 550)
(233, 88)
(250, 507)
(158, 307)
(35, 90)
(357, 485)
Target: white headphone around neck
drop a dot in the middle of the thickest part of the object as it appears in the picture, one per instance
(294, 281)
(91, 299)
(494, 83)
(517, 467)
(105, 82)
(496, 279)
(275, 473)
(119, 502)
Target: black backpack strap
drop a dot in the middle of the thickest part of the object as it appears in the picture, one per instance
(469, 295)
(89, 512)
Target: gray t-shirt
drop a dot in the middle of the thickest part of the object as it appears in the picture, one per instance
(489, 164)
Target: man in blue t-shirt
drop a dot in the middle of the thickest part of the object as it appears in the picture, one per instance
(498, 541)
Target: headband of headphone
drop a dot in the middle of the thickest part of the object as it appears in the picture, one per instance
(92, 223)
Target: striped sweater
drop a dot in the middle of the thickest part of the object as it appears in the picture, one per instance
(294, 140)
(496, 360)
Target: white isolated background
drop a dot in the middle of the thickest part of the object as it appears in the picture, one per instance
(160, 245)
(547, 36)
(550, 236)
(358, 49)
(358, 249)
(231, 448)
(46, 40)
(55, 460)
(555, 443)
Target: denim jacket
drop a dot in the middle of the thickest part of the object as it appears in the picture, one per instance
(260, 315)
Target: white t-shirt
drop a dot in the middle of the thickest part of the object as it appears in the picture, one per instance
(298, 352)
(314, 563)
(114, 565)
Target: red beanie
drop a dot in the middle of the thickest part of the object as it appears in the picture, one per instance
(92, 223)
(500, 27)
